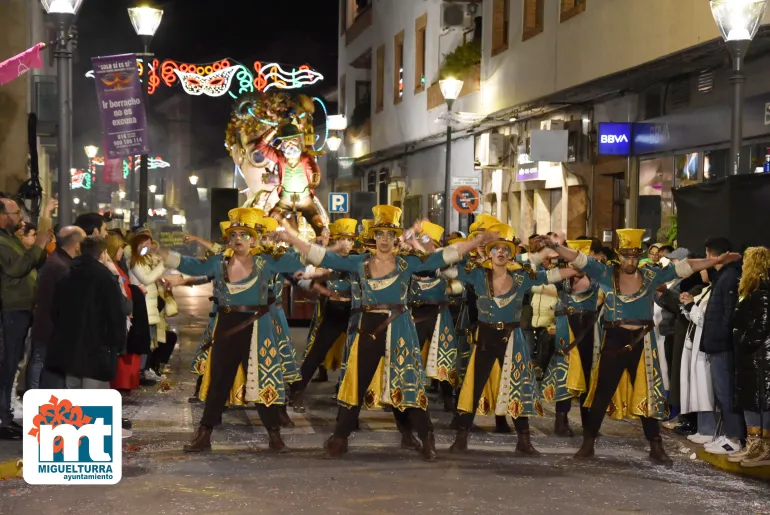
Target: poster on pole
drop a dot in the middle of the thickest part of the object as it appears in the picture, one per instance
(113, 171)
(119, 91)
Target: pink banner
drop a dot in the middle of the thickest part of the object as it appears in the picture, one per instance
(113, 171)
(16, 66)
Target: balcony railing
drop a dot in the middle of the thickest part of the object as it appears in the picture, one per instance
(362, 22)
(471, 84)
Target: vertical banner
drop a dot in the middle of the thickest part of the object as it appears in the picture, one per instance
(124, 121)
(113, 171)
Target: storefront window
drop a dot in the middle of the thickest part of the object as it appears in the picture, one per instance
(656, 205)
(715, 164)
(759, 158)
(436, 208)
(687, 168)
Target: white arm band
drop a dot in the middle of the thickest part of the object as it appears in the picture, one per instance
(554, 276)
(305, 284)
(451, 255)
(315, 255)
(580, 261)
(173, 260)
(683, 268)
(449, 273)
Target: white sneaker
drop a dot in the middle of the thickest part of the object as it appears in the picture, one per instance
(724, 446)
(700, 439)
(718, 441)
(18, 408)
(151, 375)
(127, 433)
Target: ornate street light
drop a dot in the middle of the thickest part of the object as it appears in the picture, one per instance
(337, 122)
(193, 179)
(450, 89)
(146, 21)
(63, 13)
(333, 142)
(153, 188)
(91, 151)
(738, 22)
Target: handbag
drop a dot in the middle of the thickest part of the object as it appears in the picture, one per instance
(172, 309)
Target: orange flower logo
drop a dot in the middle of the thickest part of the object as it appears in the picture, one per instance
(56, 413)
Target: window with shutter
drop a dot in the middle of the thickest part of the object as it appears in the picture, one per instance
(570, 8)
(500, 25)
(398, 68)
(420, 44)
(380, 98)
(533, 18)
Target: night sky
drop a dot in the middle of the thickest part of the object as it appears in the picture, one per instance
(291, 32)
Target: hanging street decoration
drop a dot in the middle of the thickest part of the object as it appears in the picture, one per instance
(133, 162)
(216, 79)
(81, 179)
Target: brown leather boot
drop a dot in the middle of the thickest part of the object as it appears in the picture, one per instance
(461, 441)
(283, 417)
(561, 426)
(201, 442)
(336, 446)
(275, 442)
(408, 441)
(524, 446)
(428, 450)
(587, 449)
(298, 401)
(658, 453)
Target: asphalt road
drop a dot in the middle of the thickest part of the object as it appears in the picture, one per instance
(241, 476)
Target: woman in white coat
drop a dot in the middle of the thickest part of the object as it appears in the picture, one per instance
(697, 393)
(145, 271)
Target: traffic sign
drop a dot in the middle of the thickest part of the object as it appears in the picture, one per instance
(473, 182)
(465, 200)
(338, 203)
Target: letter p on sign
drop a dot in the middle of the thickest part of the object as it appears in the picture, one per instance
(338, 203)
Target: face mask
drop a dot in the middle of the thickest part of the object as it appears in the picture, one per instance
(292, 152)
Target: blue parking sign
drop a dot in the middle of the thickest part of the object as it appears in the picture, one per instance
(338, 203)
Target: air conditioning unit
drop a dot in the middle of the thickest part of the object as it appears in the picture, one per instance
(456, 15)
(491, 148)
(552, 125)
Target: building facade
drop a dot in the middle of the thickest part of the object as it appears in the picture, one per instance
(541, 78)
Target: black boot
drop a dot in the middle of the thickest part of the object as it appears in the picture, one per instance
(283, 417)
(461, 441)
(501, 425)
(428, 450)
(298, 401)
(201, 442)
(658, 453)
(336, 446)
(561, 426)
(524, 446)
(322, 376)
(275, 442)
(408, 441)
(587, 449)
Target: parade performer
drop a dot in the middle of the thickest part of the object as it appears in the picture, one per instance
(429, 304)
(244, 334)
(626, 379)
(298, 173)
(384, 365)
(328, 333)
(500, 377)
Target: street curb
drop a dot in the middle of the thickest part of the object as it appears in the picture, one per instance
(720, 461)
(10, 469)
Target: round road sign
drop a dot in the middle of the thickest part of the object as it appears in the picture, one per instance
(465, 200)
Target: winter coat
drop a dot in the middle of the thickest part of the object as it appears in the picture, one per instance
(146, 274)
(752, 350)
(89, 326)
(56, 267)
(718, 322)
(697, 392)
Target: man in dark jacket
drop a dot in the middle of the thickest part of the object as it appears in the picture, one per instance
(89, 321)
(717, 342)
(55, 268)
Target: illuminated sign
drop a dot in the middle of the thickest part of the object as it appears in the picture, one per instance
(615, 139)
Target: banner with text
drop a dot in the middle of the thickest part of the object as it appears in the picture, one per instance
(124, 121)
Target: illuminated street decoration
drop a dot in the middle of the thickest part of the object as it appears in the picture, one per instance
(153, 164)
(81, 179)
(216, 79)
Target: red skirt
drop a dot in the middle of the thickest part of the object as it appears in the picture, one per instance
(128, 373)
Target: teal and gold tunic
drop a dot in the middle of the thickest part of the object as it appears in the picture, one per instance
(439, 353)
(289, 363)
(646, 396)
(264, 381)
(398, 381)
(513, 390)
(554, 382)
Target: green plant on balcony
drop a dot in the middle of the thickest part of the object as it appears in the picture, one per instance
(461, 60)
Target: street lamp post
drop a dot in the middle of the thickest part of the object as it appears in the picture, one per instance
(91, 151)
(450, 89)
(146, 21)
(738, 21)
(63, 13)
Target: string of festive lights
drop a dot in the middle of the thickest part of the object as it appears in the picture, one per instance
(215, 79)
